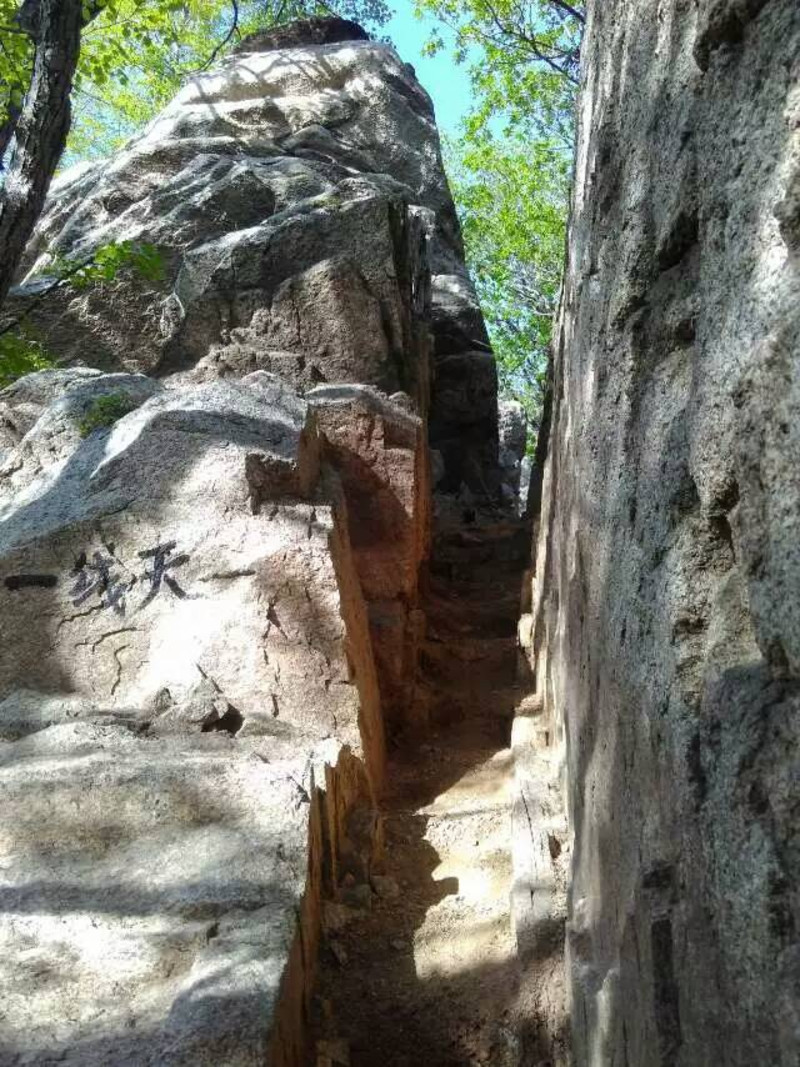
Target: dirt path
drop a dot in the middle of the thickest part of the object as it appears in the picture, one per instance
(427, 974)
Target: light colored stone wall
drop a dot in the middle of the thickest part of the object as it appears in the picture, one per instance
(666, 634)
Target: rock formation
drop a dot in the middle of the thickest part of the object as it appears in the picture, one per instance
(213, 523)
(259, 535)
(665, 632)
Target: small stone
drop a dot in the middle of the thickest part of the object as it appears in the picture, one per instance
(325, 1008)
(336, 1049)
(386, 887)
(397, 945)
(336, 917)
(357, 896)
(338, 952)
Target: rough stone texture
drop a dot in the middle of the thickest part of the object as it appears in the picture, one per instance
(128, 927)
(303, 32)
(379, 449)
(665, 626)
(299, 200)
(171, 564)
(541, 855)
(513, 439)
(210, 608)
(190, 715)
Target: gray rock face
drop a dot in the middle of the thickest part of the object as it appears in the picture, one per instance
(513, 439)
(665, 629)
(297, 195)
(187, 695)
(213, 521)
(151, 908)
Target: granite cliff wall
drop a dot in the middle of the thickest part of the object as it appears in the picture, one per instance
(664, 628)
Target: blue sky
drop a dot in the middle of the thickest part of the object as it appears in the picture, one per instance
(446, 81)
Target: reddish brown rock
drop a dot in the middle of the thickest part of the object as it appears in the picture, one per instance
(379, 451)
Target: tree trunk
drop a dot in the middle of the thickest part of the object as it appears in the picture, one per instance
(41, 130)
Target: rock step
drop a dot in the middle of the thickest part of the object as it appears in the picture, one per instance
(474, 573)
(453, 619)
(492, 707)
(473, 608)
(473, 664)
(480, 549)
(477, 587)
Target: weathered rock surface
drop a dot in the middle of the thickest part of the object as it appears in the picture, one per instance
(185, 665)
(379, 449)
(179, 560)
(665, 628)
(513, 440)
(213, 521)
(299, 201)
(135, 902)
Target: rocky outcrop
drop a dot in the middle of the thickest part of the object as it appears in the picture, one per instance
(513, 440)
(665, 634)
(213, 522)
(190, 714)
(380, 452)
(298, 200)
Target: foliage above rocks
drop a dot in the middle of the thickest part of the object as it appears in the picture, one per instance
(511, 168)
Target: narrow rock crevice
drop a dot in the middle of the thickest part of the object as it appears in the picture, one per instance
(423, 968)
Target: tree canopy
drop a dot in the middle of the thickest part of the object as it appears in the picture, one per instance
(133, 62)
(511, 167)
(136, 53)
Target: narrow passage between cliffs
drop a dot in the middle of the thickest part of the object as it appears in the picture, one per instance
(422, 970)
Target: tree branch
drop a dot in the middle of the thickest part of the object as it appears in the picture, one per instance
(221, 44)
(505, 31)
(570, 10)
(62, 279)
(42, 127)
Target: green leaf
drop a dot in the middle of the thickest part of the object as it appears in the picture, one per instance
(104, 412)
(21, 354)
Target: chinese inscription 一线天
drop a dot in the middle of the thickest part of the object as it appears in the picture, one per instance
(104, 576)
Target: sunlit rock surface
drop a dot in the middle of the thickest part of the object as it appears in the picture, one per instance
(299, 202)
(213, 518)
(185, 648)
(666, 632)
(149, 894)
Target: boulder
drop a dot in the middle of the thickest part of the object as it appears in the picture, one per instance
(150, 892)
(189, 712)
(513, 439)
(297, 198)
